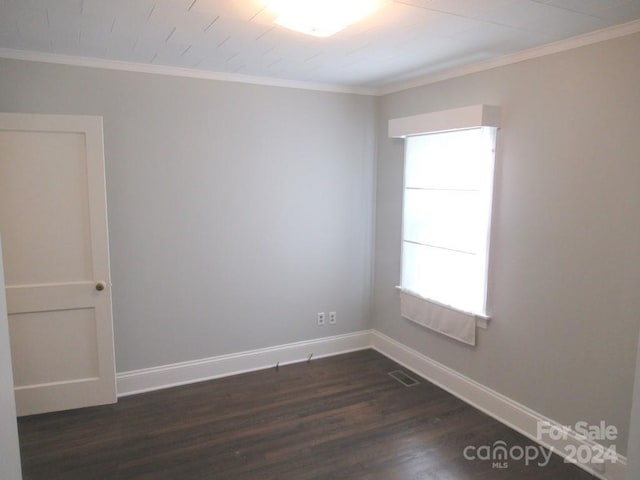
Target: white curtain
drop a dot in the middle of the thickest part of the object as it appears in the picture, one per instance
(453, 323)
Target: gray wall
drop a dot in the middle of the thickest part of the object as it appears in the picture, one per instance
(565, 253)
(236, 212)
(9, 449)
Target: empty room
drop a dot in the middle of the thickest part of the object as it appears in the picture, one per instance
(319, 239)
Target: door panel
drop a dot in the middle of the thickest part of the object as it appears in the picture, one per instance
(61, 215)
(66, 358)
(54, 225)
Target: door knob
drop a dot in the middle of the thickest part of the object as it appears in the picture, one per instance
(100, 286)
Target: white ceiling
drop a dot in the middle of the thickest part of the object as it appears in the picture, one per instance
(404, 39)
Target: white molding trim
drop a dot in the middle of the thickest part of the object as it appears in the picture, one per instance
(445, 120)
(91, 62)
(500, 407)
(571, 43)
(156, 378)
(494, 404)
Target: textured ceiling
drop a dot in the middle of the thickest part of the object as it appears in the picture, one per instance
(403, 39)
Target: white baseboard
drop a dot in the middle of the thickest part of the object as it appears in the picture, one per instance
(156, 378)
(503, 409)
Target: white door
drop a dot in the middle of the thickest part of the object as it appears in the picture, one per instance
(53, 221)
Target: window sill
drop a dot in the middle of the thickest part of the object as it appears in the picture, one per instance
(482, 321)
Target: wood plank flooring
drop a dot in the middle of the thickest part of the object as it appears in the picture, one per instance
(342, 417)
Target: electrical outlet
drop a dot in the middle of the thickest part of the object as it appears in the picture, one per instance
(332, 318)
(321, 319)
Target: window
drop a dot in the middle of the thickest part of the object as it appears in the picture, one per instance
(447, 215)
(449, 158)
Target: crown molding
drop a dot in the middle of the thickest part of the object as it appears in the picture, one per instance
(597, 36)
(33, 56)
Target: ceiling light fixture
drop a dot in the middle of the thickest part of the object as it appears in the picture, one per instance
(321, 18)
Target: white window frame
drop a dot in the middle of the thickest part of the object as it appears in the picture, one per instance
(446, 121)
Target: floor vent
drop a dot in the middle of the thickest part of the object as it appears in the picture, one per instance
(404, 379)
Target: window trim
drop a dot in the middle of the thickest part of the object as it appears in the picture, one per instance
(439, 122)
(444, 120)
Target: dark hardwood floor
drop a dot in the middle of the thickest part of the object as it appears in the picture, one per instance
(342, 417)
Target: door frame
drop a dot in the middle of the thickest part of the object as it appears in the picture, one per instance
(10, 467)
